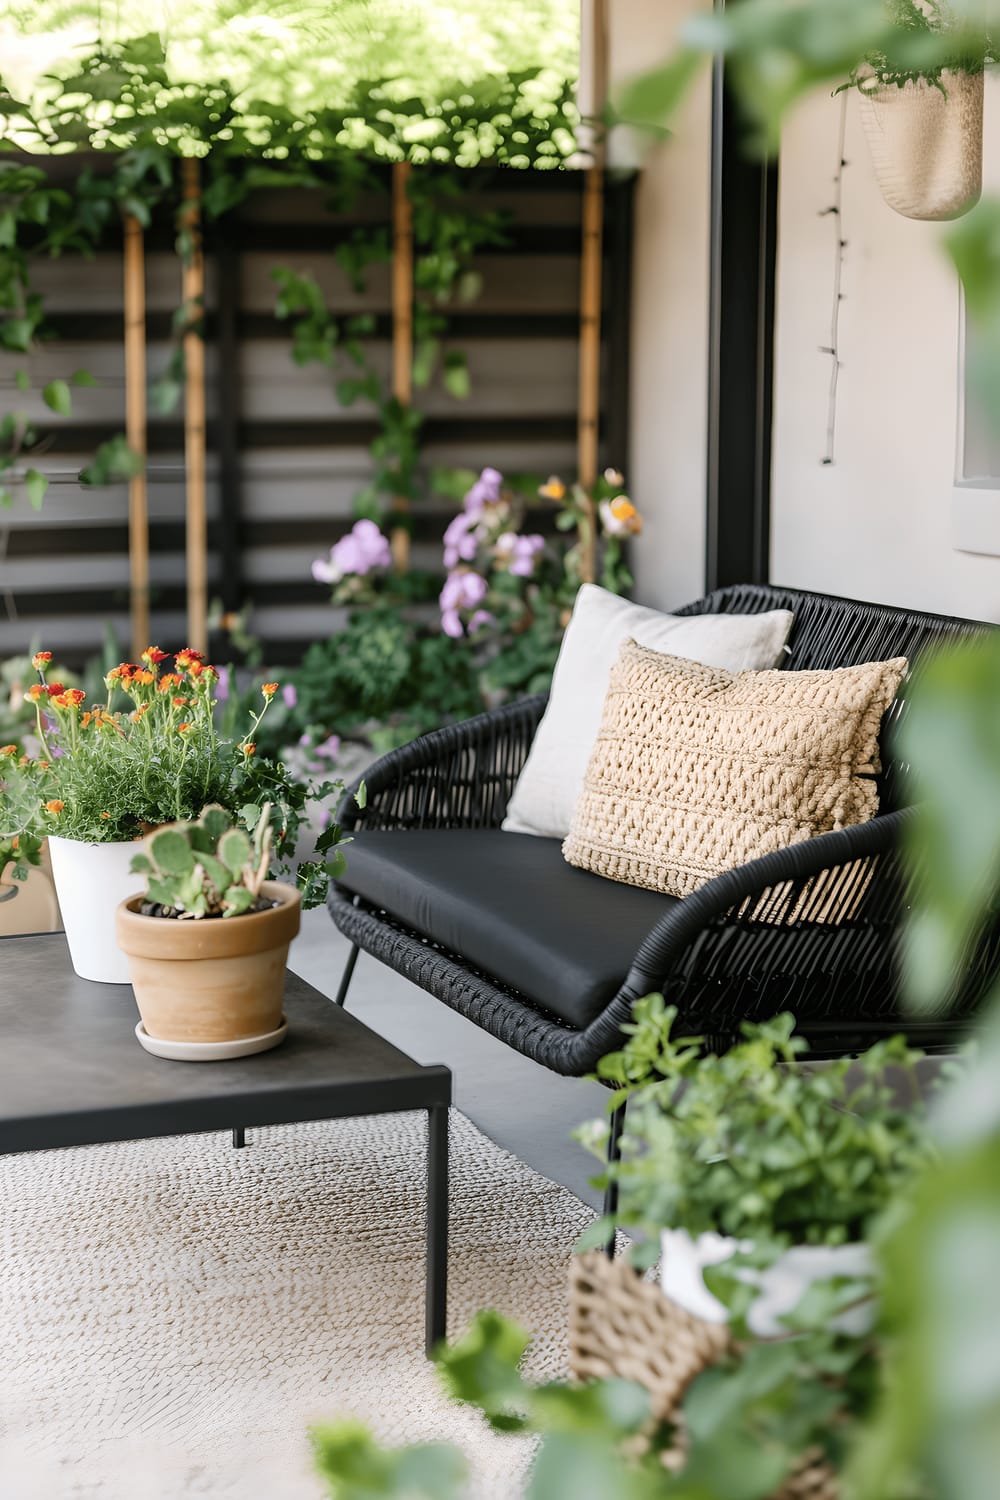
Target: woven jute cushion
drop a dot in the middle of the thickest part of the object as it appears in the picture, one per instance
(697, 770)
(623, 1327)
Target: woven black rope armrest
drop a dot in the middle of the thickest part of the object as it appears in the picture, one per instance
(461, 776)
(819, 918)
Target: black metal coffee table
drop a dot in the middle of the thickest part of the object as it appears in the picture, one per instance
(73, 1074)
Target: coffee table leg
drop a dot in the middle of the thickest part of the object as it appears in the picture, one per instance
(239, 1136)
(437, 1226)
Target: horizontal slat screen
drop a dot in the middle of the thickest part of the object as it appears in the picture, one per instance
(301, 458)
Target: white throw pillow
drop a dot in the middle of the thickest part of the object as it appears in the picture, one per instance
(551, 780)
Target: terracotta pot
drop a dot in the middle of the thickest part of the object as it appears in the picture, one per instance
(215, 979)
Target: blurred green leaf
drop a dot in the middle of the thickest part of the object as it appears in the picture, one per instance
(36, 485)
(57, 398)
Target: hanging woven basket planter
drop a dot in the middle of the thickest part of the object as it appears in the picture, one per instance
(926, 143)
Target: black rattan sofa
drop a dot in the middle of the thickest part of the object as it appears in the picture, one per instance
(550, 959)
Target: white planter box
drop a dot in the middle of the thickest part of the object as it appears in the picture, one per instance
(781, 1286)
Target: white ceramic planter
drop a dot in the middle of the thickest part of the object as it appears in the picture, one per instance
(91, 881)
(781, 1286)
(927, 144)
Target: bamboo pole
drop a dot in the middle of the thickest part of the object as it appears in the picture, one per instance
(589, 393)
(193, 294)
(134, 276)
(402, 331)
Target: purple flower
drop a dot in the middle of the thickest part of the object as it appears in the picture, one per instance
(485, 491)
(289, 696)
(330, 747)
(463, 590)
(460, 540)
(363, 549)
(222, 686)
(519, 552)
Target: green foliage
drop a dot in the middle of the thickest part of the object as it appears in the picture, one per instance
(926, 39)
(974, 246)
(20, 845)
(779, 51)
(952, 719)
(387, 669)
(207, 867)
(355, 1467)
(589, 1433)
(752, 1144)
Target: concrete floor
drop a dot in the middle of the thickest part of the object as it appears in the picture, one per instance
(518, 1104)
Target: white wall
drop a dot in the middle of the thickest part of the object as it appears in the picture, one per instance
(669, 375)
(881, 522)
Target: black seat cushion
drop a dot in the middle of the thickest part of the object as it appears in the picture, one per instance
(510, 905)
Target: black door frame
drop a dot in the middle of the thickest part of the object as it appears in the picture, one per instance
(743, 244)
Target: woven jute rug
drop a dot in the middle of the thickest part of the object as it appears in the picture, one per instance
(174, 1314)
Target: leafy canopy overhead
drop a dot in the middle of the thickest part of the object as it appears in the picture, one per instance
(378, 60)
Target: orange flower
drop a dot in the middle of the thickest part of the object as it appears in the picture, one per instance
(187, 656)
(553, 488)
(85, 719)
(169, 680)
(8, 749)
(144, 679)
(43, 765)
(178, 702)
(138, 713)
(124, 672)
(153, 655)
(74, 697)
(55, 806)
(195, 669)
(41, 659)
(55, 688)
(105, 816)
(210, 671)
(183, 728)
(248, 749)
(269, 689)
(60, 700)
(37, 690)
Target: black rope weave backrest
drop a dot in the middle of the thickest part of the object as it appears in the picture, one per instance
(832, 632)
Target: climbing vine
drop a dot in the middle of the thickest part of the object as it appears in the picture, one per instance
(122, 104)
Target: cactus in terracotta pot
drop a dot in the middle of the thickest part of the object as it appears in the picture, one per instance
(208, 989)
(205, 868)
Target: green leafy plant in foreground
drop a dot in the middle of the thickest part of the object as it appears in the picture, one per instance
(751, 1142)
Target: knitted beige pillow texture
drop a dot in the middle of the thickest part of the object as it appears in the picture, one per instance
(697, 770)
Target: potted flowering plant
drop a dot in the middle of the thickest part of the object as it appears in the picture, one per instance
(394, 671)
(106, 775)
(753, 1177)
(924, 122)
(207, 944)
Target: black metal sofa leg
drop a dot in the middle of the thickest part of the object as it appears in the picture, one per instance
(348, 975)
(611, 1190)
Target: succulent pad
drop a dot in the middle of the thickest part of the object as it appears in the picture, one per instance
(207, 867)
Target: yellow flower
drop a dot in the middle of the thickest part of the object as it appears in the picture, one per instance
(553, 488)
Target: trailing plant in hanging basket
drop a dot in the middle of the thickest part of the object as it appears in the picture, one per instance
(922, 111)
